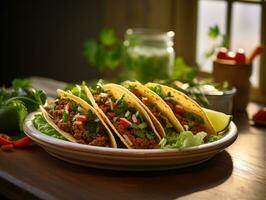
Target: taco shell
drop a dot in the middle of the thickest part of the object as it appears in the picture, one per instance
(65, 95)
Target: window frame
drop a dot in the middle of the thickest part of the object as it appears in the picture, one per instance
(258, 94)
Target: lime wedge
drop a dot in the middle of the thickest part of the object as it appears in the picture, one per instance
(219, 120)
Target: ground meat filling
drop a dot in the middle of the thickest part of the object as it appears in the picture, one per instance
(190, 121)
(135, 132)
(84, 126)
(168, 127)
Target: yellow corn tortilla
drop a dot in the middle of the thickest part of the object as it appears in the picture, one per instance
(117, 92)
(187, 103)
(65, 95)
(160, 104)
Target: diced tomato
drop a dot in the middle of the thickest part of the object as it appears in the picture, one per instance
(77, 123)
(82, 118)
(4, 139)
(179, 110)
(67, 107)
(108, 103)
(114, 104)
(22, 142)
(124, 122)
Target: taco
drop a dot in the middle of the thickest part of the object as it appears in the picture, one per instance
(77, 121)
(125, 116)
(189, 113)
(158, 110)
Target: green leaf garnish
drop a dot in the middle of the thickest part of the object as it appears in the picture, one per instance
(182, 140)
(43, 126)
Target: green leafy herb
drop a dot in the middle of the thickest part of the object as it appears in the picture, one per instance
(99, 85)
(214, 32)
(65, 116)
(212, 138)
(143, 125)
(140, 134)
(21, 84)
(93, 127)
(218, 39)
(158, 90)
(43, 126)
(108, 37)
(150, 135)
(91, 115)
(168, 127)
(106, 53)
(182, 71)
(121, 107)
(193, 117)
(182, 140)
(22, 98)
(79, 90)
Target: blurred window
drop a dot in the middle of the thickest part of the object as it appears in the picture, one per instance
(246, 21)
(239, 19)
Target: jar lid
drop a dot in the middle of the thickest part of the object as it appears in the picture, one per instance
(150, 36)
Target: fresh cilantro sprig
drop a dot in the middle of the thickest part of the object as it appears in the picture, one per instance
(218, 40)
(181, 71)
(106, 53)
(22, 98)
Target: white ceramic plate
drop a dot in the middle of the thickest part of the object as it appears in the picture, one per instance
(127, 159)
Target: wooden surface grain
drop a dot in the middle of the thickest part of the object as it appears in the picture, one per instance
(237, 173)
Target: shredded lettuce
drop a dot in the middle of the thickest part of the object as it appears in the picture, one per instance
(157, 89)
(182, 140)
(80, 92)
(42, 125)
(213, 138)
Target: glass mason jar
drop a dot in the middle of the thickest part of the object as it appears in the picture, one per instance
(149, 54)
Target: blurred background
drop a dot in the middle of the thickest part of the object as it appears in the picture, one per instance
(46, 38)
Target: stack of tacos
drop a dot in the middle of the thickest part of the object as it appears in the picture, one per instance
(77, 121)
(127, 118)
(131, 115)
(170, 110)
(188, 112)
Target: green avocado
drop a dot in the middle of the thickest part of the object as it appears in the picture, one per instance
(9, 121)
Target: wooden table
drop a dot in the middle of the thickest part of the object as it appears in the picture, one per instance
(237, 173)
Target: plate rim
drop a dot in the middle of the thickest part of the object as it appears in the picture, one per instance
(40, 137)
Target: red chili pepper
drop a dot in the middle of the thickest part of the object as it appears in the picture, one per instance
(22, 142)
(7, 147)
(5, 140)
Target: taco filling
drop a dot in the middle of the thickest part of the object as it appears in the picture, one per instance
(83, 125)
(127, 121)
(189, 120)
(168, 127)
